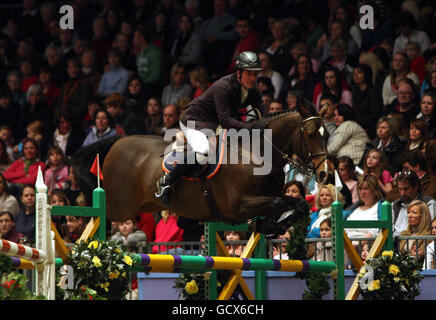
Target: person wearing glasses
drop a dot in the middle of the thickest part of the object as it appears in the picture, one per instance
(409, 187)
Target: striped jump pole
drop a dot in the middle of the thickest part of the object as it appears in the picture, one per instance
(13, 249)
(158, 262)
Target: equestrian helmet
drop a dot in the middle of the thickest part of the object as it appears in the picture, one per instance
(248, 60)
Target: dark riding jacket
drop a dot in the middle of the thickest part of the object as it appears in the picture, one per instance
(220, 104)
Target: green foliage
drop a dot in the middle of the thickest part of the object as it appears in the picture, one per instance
(5, 264)
(13, 287)
(101, 270)
(316, 283)
(193, 286)
(396, 277)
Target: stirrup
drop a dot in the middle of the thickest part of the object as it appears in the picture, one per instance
(160, 191)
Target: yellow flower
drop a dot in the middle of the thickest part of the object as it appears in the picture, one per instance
(389, 254)
(96, 261)
(375, 285)
(128, 260)
(124, 275)
(93, 244)
(393, 269)
(114, 275)
(191, 287)
(105, 286)
(117, 250)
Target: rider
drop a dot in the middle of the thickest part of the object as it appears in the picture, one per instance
(220, 105)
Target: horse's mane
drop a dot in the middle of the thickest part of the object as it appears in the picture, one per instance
(278, 114)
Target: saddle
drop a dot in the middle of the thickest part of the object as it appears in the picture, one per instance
(208, 170)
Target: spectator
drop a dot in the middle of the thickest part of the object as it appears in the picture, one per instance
(147, 224)
(113, 21)
(148, 61)
(293, 99)
(415, 161)
(427, 105)
(129, 120)
(409, 188)
(65, 136)
(171, 115)
(265, 84)
(418, 135)
(24, 170)
(248, 39)
(75, 93)
(25, 220)
(7, 201)
(199, 81)
(129, 235)
(10, 112)
(220, 36)
(90, 71)
(103, 127)
(367, 102)
(327, 106)
(341, 13)
(115, 79)
(279, 47)
(177, 88)
(234, 250)
(192, 8)
(58, 68)
(377, 67)
(338, 31)
(187, 47)
(341, 60)
(346, 171)
(162, 33)
(430, 262)
(375, 163)
(275, 106)
(56, 175)
(7, 227)
(368, 207)
(167, 231)
(387, 141)
(29, 77)
(50, 90)
(269, 72)
(100, 42)
(128, 59)
(324, 250)
(303, 79)
(430, 76)
(154, 119)
(409, 33)
(74, 228)
(417, 61)
(407, 102)
(349, 138)
(331, 82)
(135, 98)
(14, 84)
(5, 162)
(418, 224)
(6, 137)
(400, 68)
(324, 198)
(279, 250)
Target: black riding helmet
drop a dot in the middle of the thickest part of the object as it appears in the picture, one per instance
(248, 60)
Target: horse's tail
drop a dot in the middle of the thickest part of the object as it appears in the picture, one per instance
(82, 162)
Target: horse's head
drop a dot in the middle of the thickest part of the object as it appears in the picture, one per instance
(311, 148)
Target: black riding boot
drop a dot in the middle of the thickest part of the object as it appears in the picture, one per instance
(165, 184)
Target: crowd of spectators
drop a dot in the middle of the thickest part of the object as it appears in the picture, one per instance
(132, 67)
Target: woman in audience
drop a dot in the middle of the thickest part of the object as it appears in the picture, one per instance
(268, 71)
(349, 138)
(418, 135)
(331, 82)
(7, 201)
(428, 109)
(199, 81)
(323, 201)
(430, 261)
(377, 67)
(346, 171)
(177, 88)
(400, 68)
(418, 224)
(25, 220)
(154, 117)
(368, 207)
(103, 127)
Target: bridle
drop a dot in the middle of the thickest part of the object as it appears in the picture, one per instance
(306, 166)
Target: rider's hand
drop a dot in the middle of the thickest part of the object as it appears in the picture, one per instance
(259, 124)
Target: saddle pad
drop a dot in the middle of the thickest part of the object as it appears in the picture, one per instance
(210, 170)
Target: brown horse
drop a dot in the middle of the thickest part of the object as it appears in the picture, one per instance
(133, 164)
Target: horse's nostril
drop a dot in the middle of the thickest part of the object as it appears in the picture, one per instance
(323, 175)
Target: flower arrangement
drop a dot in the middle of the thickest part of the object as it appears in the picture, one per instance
(193, 287)
(396, 276)
(13, 287)
(101, 270)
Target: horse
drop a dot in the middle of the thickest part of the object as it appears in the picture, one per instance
(133, 164)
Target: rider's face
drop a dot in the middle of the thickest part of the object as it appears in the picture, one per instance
(248, 78)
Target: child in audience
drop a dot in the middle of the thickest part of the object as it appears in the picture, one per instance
(74, 228)
(324, 250)
(7, 136)
(235, 250)
(364, 252)
(430, 262)
(128, 234)
(375, 163)
(56, 176)
(58, 198)
(346, 171)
